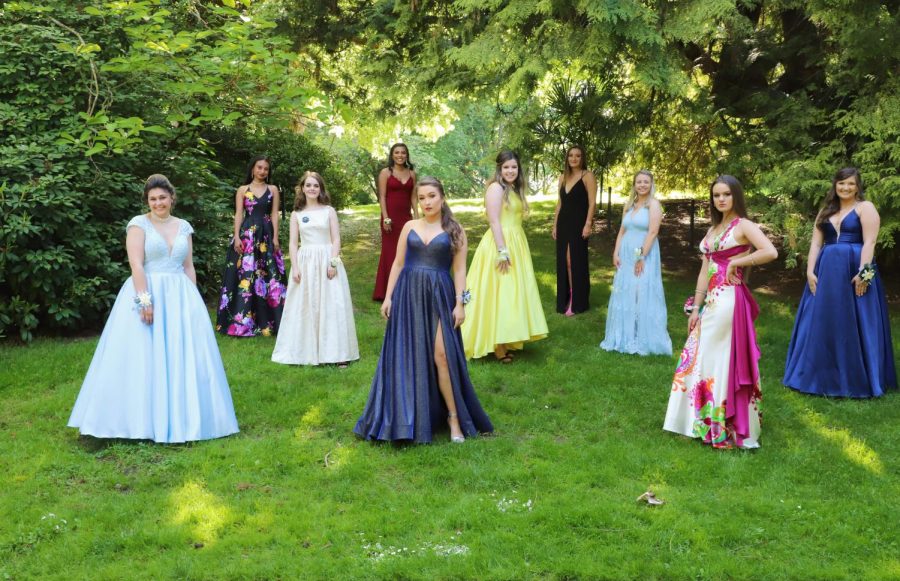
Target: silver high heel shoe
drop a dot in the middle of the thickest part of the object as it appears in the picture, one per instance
(455, 439)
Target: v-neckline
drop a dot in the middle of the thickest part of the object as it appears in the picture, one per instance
(717, 238)
(569, 191)
(632, 212)
(401, 182)
(840, 225)
(170, 247)
(422, 240)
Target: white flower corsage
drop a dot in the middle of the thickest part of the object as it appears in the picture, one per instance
(502, 255)
(637, 253)
(466, 297)
(335, 260)
(867, 273)
(143, 300)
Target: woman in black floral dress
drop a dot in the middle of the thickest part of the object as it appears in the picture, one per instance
(252, 295)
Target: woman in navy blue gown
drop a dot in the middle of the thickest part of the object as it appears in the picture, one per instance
(841, 344)
(422, 380)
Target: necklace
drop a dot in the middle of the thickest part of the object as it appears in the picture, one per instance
(163, 221)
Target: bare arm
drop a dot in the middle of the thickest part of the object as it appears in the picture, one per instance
(815, 247)
(293, 247)
(493, 201)
(134, 246)
(276, 208)
(871, 222)
(617, 261)
(559, 189)
(382, 196)
(699, 294)
(656, 216)
(764, 251)
(399, 261)
(335, 230)
(590, 182)
(238, 217)
(413, 198)
(459, 280)
(188, 263)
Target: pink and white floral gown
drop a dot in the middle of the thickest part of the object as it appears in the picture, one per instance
(715, 391)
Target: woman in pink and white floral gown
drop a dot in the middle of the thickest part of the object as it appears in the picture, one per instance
(715, 391)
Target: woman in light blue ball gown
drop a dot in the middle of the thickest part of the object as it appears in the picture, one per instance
(157, 373)
(636, 317)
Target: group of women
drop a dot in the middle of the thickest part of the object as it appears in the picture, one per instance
(439, 314)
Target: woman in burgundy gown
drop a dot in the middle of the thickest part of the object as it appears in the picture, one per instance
(396, 187)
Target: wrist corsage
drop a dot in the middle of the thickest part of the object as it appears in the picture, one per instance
(866, 273)
(690, 307)
(335, 260)
(637, 253)
(143, 300)
(465, 298)
(502, 255)
(387, 221)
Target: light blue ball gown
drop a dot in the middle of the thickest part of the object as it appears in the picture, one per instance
(164, 381)
(636, 317)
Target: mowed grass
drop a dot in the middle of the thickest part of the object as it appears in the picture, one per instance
(551, 495)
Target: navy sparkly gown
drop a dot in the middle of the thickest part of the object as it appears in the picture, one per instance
(404, 402)
(841, 344)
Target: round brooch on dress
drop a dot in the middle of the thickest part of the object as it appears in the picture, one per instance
(305, 219)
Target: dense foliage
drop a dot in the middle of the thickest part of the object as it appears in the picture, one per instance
(777, 92)
(96, 96)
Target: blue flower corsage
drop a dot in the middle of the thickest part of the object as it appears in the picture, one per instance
(304, 219)
(466, 297)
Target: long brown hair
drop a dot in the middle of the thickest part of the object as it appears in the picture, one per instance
(568, 171)
(448, 223)
(300, 197)
(737, 196)
(832, 203)
(518, 186)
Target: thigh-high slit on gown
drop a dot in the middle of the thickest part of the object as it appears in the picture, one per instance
(404, 402)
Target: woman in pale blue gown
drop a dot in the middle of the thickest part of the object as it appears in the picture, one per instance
(157, 373)
(636, 317)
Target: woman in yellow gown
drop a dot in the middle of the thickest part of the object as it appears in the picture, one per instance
(506, 310)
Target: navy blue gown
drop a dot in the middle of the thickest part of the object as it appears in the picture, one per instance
(404, 402)
(841, 344)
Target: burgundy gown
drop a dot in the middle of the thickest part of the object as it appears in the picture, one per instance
(397, 195)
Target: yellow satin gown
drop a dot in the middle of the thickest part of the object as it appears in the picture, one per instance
(505, 308)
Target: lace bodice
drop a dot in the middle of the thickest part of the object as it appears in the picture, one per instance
(157, 256)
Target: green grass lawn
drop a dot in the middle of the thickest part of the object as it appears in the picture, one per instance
(550, 495)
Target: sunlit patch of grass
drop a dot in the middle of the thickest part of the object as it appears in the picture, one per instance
(852, 447)
(194, 506)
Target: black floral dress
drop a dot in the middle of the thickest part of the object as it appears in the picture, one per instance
(252, 294)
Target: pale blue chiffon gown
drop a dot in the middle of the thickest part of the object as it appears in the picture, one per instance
(164, 381)
(636, 318)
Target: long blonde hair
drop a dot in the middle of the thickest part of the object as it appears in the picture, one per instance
(518, 186)
(634, 196)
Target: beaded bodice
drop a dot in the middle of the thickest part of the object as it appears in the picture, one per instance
(158, 257)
